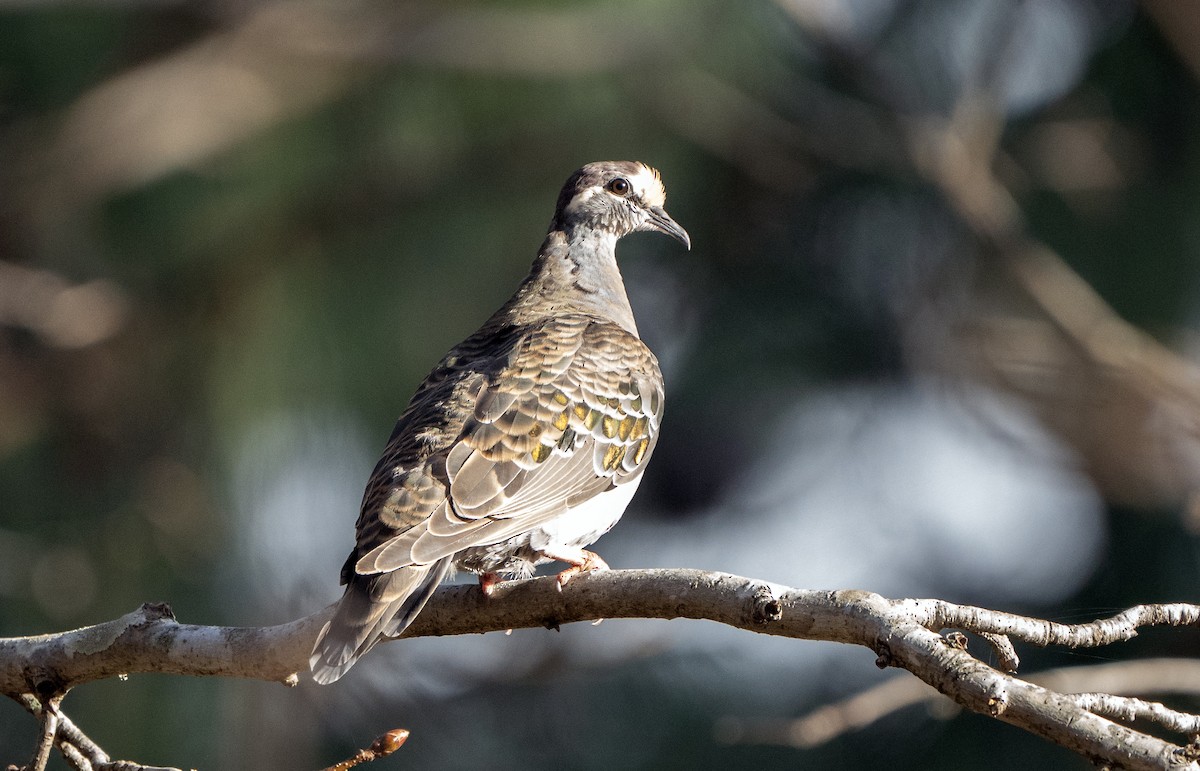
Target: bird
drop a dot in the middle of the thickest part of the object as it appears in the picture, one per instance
(527, 441)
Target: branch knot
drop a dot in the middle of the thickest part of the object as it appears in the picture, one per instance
(767, 607)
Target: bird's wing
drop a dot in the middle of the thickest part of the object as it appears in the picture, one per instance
(571, 410)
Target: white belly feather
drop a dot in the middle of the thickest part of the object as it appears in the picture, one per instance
(585, 523)
(575, 529)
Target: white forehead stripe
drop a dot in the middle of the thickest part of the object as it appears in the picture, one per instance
(648, 185)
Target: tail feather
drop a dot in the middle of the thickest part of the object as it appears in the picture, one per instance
(372, 608)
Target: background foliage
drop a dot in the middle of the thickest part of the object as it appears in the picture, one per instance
(235, 235)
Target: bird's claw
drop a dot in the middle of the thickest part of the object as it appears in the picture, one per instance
(487, 583)
(591, 561)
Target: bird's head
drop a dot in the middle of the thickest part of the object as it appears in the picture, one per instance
(617, 197)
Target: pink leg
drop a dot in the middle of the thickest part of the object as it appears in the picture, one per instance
(487, 583)
(580, 560)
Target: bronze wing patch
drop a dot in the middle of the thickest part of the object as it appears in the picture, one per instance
(574, 411)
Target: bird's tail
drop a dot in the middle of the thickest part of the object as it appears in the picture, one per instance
(373, 607)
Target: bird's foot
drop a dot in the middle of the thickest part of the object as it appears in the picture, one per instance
(583, 562)
(487, 583)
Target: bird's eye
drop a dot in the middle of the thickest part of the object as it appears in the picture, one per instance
(620, 186)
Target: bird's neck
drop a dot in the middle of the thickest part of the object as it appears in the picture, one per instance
(576, 272)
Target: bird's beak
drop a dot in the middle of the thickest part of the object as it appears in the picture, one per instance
(661, 221)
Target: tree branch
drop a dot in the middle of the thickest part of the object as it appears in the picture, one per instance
(902, 633)
(860, 710)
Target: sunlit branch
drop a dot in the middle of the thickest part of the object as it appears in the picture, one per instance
(901, 633)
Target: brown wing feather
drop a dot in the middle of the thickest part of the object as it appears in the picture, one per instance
(493, 446)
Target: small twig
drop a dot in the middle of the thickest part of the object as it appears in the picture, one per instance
(1104, 631)
(380, 748)
(70, 735)
(74, 757)
(859, 711)
(77, 748)
(1129, 709)
(1006, 654)
(41, 755)
(830, 721)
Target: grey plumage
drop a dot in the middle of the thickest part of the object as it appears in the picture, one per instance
(526, 442)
